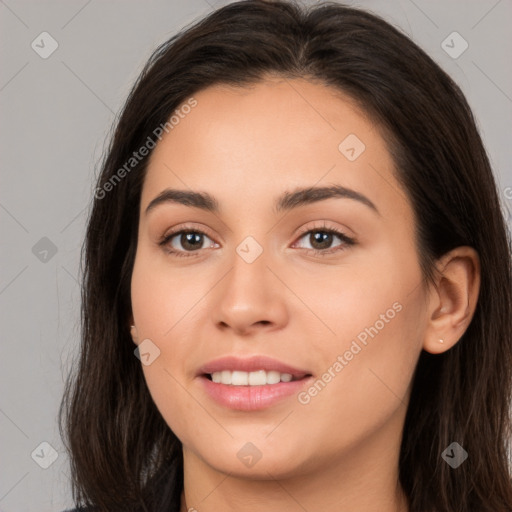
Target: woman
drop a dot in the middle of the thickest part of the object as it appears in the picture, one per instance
(297, 288)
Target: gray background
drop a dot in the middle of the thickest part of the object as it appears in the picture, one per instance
(56, 114)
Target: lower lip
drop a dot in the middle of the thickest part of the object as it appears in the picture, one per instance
(252, 398)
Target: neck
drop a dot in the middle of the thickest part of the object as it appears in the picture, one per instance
(230, 495)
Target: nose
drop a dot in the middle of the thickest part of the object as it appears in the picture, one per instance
(251, 298)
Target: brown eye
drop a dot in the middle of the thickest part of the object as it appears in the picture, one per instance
(321, 241)
(186, 242)
(190, 241)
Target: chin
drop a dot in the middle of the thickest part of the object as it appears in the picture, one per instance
(257, 459)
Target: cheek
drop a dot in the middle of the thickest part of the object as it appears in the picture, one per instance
(176, 404)
(161, 296)
(364, 381)
(343, 301)
(368, 352)
(165, 305)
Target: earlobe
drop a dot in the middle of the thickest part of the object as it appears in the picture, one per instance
(453, 299)
(133, 332)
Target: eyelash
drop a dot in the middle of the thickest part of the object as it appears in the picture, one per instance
(347, 241)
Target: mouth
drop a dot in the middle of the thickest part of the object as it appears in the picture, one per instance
(251, 384)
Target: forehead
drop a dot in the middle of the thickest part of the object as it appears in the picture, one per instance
(241, 142)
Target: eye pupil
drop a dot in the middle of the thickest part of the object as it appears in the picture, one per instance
(322, 238)
(191, 240)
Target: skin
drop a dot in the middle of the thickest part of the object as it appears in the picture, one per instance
(246, 146)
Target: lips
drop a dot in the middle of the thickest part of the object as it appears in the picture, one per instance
(251, 384)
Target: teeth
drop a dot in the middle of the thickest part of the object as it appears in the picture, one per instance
(239, 379)
(257, 378)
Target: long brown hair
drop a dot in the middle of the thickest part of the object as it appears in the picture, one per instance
(123, 454)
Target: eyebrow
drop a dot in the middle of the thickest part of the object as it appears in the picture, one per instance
(287, 201)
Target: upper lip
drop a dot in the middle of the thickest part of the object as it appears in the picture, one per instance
(250, 364)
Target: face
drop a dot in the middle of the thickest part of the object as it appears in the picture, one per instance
(255, 283)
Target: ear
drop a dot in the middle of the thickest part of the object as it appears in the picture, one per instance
(452, 299)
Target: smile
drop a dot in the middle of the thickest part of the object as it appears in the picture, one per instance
(255, 378)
